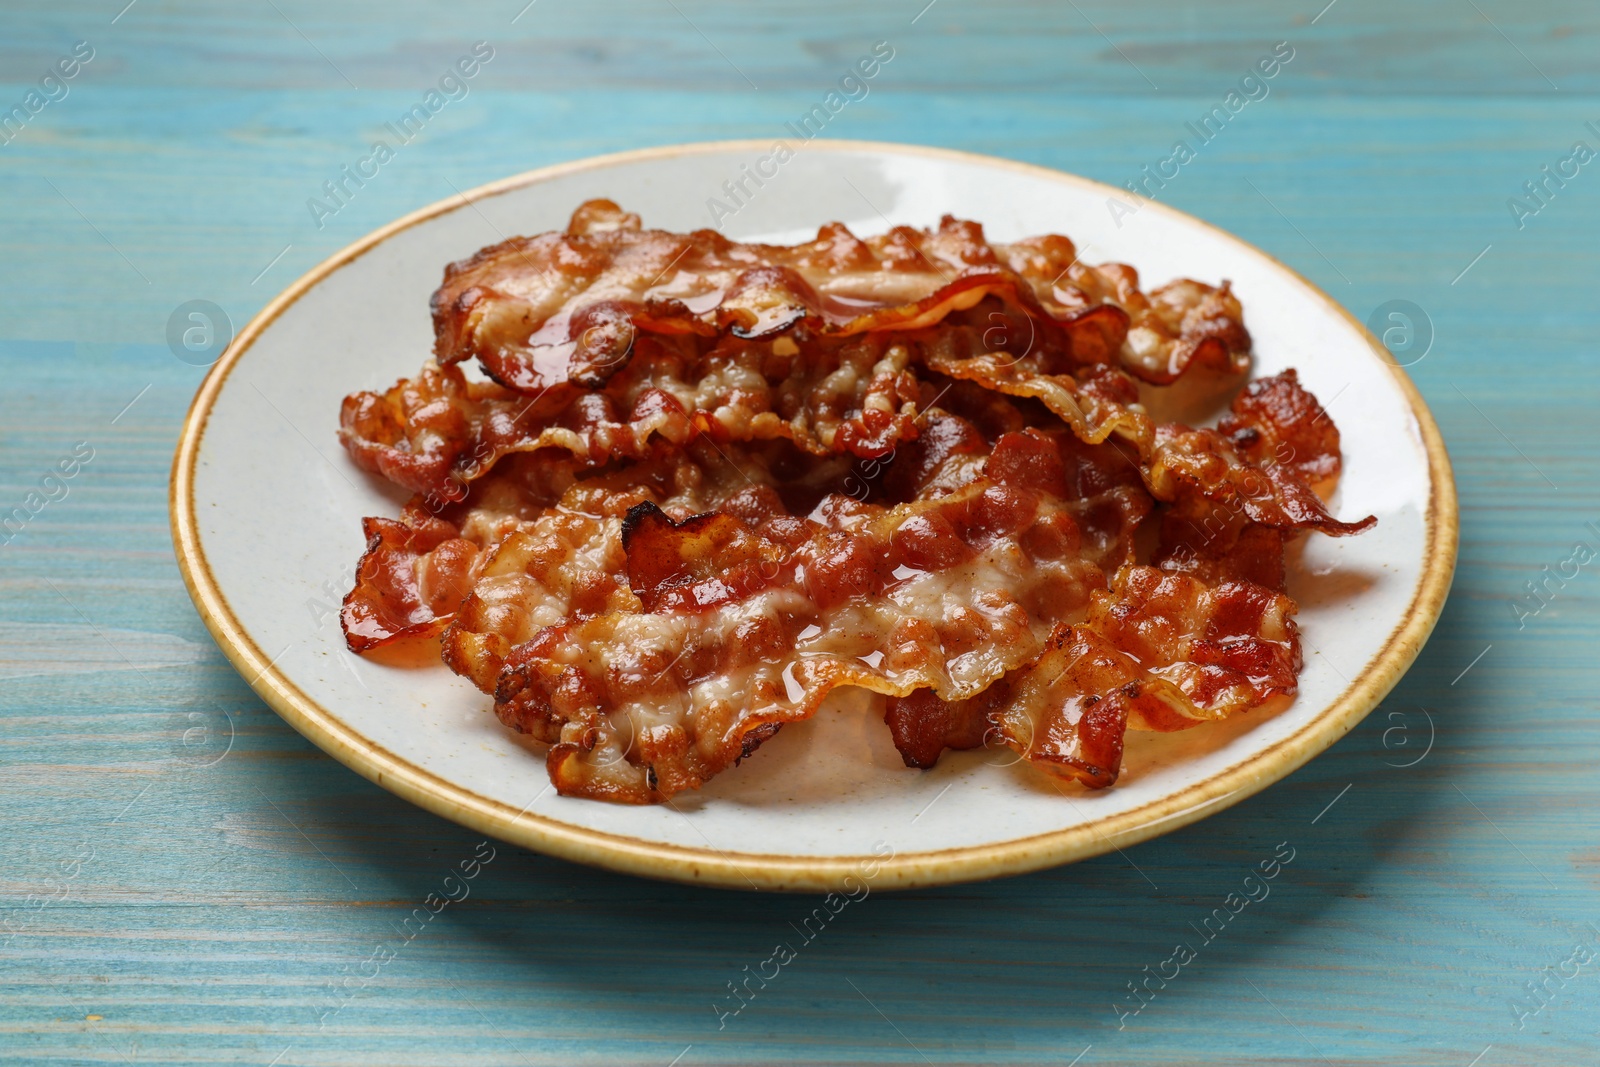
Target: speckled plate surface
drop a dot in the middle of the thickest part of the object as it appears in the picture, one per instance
(266, 515)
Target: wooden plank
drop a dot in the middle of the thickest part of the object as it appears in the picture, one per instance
(1091, 46)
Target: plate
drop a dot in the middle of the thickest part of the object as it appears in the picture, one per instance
(266, 512)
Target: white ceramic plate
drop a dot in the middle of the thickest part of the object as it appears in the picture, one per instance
(266, 516)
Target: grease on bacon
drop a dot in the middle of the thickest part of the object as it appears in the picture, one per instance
(569, 306)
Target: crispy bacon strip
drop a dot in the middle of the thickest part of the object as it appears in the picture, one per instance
(1228, 648)
(568, 563)
(1186, 463)
(1275, 422)
(923, 725)
(1214, 545)
(1095, 406)
(413, 433)
(1181, 324)
(413, 575)
(1187, 324)
(755, 341)
(437, 433)
(746, 629)
(1260, 463)
(568, 307)
(1155, 652)
(1069, 710)
(417, 570)
(1274, 425)
(1066, 711)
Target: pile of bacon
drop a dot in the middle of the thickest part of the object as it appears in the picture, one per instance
(707, 483)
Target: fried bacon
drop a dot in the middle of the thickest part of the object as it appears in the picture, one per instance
(1069, 710)
(437, 433)
(1155, 652)
(412, 433)
(417, 570)
(1214, 545)
(567, 563)
(1275, 422)
(569, 307)
(708, 483)
(923, 726)
(1278, 446)
(1186, 463)
(1274, 426)
(1227, 648)
(1094, 406)
(743, 629)
(412, 577)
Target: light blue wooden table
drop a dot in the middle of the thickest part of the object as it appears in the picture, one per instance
(196, 903)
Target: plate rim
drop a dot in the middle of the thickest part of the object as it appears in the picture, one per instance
(709, 866)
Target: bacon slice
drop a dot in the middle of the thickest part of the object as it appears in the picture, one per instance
(1155, 652)
(413, 575)
(1187, 462)
(745, 629)
(1187, 324)
(1095, 406)
(1227, 648)
(417, 570)
(1274, 426)
(1214, 545)
(1178, 325)
(923, 726)
(616, 334)
(436, 433)
(568, 564)
(568, 307)
(413, 433)
(1263, 459)
(1275, 422)
(860, 396)
(1067, 713)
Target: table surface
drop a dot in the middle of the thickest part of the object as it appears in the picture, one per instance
(176, 897)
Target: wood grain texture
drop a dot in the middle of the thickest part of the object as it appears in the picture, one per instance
(201, 902)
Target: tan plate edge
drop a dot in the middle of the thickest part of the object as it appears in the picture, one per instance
(779, 872)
